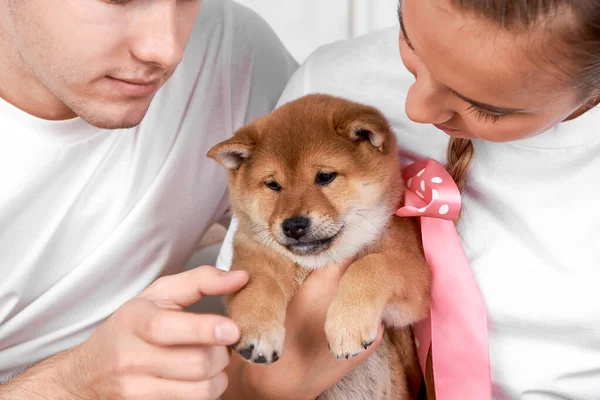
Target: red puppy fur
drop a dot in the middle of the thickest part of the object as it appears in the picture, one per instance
(317, 182)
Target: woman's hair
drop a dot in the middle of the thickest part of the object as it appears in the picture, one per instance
(577, 24)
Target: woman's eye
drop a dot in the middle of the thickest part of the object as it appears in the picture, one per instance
(325, 178)
(482, 115)
(274, 186)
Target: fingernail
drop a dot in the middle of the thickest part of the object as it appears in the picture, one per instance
(226, 333)
(229, 274)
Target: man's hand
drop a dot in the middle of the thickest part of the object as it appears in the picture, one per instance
(148, 349)
(306, 368)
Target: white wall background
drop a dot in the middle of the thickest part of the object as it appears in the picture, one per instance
(304, 25)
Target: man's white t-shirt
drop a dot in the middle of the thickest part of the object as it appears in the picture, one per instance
(90, 217)
(530, 224)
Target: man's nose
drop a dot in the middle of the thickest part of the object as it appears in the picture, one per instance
(157, 37)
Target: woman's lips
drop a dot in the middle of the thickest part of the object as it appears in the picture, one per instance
(446, 129)
(453, 132)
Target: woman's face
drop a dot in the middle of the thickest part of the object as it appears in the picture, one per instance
(475, 80)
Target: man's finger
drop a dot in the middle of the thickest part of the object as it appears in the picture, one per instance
(184, 289)
(146, 387)
(181, 363)
(171, 327)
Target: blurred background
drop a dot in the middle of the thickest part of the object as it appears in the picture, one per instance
(303, 26)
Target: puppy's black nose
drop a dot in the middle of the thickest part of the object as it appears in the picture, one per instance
(295, 227)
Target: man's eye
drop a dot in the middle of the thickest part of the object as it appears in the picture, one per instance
(325, 178)
(274, 186)
(123, 2)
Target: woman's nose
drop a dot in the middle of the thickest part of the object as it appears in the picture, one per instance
(426, 101)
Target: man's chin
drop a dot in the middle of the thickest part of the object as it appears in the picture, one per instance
(115, 116)
(110, 125)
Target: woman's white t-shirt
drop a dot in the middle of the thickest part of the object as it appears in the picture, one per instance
(530, 224)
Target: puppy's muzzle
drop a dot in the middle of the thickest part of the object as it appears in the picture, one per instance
(303, 236)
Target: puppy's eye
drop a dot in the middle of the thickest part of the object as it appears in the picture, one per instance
(325, 178)
(274, 186)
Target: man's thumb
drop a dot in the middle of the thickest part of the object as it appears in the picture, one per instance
(186, 288)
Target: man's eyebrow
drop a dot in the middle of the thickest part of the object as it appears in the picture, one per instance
(402, 28)
(487, 107)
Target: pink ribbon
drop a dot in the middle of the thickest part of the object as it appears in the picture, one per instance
(457, 326)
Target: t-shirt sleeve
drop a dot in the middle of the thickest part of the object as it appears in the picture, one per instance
(261, 65)
(299, 84)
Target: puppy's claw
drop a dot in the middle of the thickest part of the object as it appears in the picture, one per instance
(275, 356)
(367, 344)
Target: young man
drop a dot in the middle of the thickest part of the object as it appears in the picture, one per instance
(107, 109)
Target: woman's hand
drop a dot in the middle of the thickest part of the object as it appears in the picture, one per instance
(306, 368)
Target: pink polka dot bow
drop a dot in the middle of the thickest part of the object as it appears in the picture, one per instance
(457, 326)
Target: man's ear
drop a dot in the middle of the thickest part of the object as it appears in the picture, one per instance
(363, 123)
(232, 152)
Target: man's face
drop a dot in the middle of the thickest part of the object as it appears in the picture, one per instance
(102, 59)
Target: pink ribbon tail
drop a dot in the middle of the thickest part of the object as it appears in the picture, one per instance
(457, 326)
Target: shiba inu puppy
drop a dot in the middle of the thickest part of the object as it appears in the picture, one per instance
(316, 182)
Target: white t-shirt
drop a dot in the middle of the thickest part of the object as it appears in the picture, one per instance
(530, 225)
(90, 217)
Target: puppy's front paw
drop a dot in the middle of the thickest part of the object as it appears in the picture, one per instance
(350, 330)
(261, 343)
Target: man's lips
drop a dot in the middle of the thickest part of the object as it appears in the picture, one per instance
(133, 87)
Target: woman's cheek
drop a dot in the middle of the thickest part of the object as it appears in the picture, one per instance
(506, 129)
(408, 59)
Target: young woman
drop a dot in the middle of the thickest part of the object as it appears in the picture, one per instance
(505, 92)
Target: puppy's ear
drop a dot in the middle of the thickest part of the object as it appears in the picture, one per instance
(363, 123)
(232, 152)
